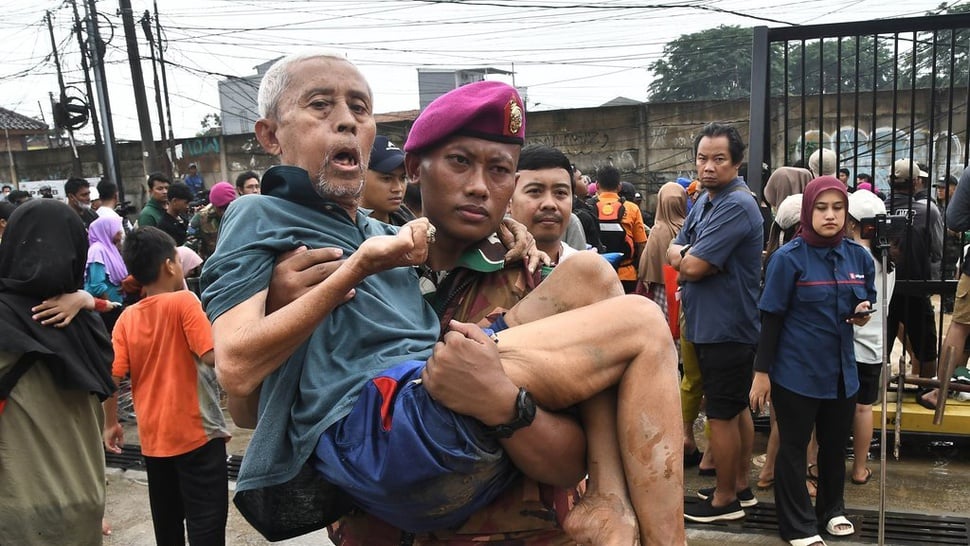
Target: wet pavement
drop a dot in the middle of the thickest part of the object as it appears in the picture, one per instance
(930, 479)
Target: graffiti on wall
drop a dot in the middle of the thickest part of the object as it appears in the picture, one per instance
(858, 148)
(198, 146)
(576, 143)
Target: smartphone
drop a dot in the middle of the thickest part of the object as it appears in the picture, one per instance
(863, 313)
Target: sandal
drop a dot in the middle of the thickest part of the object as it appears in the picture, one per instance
(807, 541)
(832, 527)
(864, 480)
(765, 483)
(812, 472)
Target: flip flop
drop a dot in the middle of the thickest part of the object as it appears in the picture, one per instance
(864, 480)
(810, 474)
(832, 527)
(807, 541)
(767, 483)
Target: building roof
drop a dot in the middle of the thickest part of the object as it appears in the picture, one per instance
(391, 117)
(13, 121)
(621, 101)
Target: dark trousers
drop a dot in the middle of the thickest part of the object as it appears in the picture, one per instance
(193, 488)
(832, 420)
(916, 315)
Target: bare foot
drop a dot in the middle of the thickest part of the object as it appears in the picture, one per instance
(599, 520)
(105, 527)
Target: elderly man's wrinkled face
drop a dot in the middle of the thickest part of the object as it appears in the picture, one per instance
(325, 125)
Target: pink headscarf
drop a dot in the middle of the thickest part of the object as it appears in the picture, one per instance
(101, 234)
(190, 260)
(812, 191)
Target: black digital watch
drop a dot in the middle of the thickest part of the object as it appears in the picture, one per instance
(525, 413)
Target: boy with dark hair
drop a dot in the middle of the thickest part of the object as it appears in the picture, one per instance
(175, 221)
(165, 343)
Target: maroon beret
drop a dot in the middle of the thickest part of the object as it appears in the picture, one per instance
(489, 110)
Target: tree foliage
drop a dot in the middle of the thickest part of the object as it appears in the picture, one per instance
(211, 125)
(941, 56)
(716, 64)
(711, 64)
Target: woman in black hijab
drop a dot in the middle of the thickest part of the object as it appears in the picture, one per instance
(52, 382)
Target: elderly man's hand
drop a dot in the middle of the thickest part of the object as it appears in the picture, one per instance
(466, 376)
(408, 247)
(521, 244)
(299, 270)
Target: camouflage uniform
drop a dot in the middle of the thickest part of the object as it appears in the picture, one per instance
(529, 513)
(202, 232)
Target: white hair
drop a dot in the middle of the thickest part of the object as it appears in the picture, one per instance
(277, 78)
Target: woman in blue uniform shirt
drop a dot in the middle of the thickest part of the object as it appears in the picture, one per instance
(806, 362)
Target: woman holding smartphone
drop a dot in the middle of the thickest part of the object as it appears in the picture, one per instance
(816, 288)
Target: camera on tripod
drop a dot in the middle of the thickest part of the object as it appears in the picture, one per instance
(883, 227)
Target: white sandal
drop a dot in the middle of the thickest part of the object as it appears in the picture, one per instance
(832, 527)
(807, 541)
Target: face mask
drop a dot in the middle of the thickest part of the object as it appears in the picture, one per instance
(84, 206)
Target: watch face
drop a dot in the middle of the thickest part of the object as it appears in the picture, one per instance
(525, 408)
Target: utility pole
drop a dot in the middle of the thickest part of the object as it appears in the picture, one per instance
(96, 50)
(149, 160)
(76, 163)
(161, 64)
(92, 113)
(146, 26)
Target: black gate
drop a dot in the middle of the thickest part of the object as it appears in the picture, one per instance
(873, 92)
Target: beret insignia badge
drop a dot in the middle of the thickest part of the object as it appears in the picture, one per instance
(513, 117)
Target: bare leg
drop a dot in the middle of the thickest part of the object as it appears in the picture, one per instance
(639, 358)
(766, 478)
(861, 437)
(707, 461)
(955, 339)
(746, 434)
(726, 445)
(605, 514)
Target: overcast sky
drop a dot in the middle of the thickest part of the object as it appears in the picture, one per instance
(568, 54)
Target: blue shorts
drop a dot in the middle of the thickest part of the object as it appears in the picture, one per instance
(410, 461)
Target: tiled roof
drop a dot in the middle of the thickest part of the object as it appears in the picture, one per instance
(16, 122)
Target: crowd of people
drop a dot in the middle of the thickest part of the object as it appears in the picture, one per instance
(463, 414)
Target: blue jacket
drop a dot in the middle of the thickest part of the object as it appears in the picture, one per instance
(815, 289)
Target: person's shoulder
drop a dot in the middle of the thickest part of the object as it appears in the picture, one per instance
(794, 247)
(856, 248)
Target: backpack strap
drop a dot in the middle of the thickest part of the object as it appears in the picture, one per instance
(9, 380)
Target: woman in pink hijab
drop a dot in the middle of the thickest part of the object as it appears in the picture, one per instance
(105, 269)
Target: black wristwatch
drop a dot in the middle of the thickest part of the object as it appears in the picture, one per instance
(525, 413)
(683, 251)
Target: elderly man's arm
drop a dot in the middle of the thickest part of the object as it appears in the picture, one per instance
(250, 344)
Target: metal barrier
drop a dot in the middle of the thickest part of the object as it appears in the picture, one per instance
(873, 92)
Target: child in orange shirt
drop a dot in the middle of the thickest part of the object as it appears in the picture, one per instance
(165, 343)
